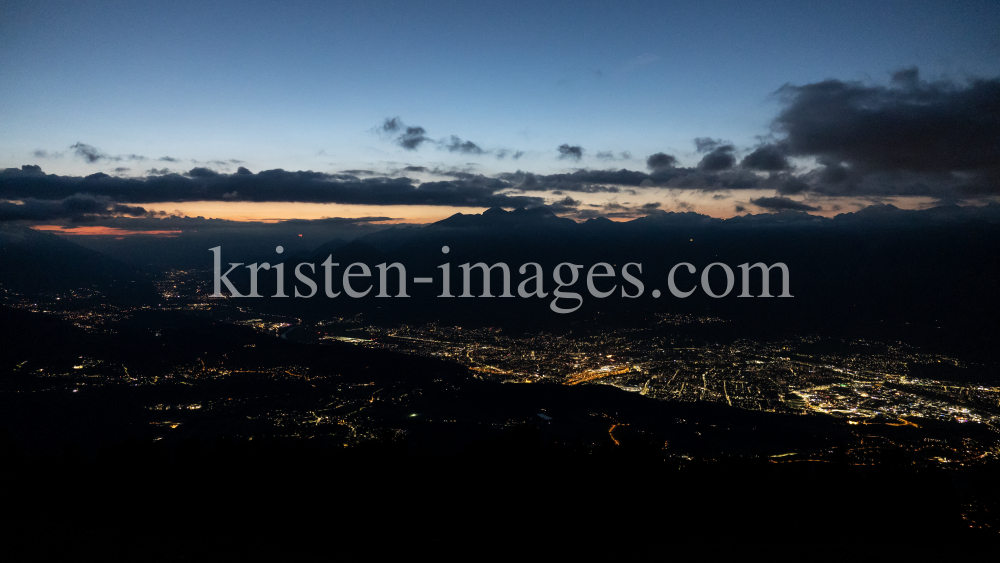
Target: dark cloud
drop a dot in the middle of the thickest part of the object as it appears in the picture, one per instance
(608, 181)
(202, 184)
(587, 181)
(792, 186)
(609, 155)
(78, 207)
(767, 158)
(40, 153)
(242, 171)
(588, 214)
(160, 172)
(93, 154)
(392, 125)
(912, 125)
(565, 206)
(168, 159)
(707, 144)
(574, 152)
(202, 173)
(625, 211)
(660, 161)
(412, 138)
(465, 147)
(833, 172)
(449, 171)
(740, 209)
(720, 158)
(575, 209)
(621, 177)
(907, 77)
(122, 169)
(782, 204)
(32, 169)
(90, 153)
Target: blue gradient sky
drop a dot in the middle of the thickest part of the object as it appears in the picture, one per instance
(273, 84)
(307, 85)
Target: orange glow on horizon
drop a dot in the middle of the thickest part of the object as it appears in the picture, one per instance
(273, 212)
(630, 208)
(100, 230)
(704, 202)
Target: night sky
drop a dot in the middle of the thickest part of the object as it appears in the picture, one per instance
(415, 111)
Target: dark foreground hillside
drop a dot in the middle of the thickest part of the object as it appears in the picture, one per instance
(512, 496)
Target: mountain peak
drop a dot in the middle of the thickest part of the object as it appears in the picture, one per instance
(499, 217)
(495, 212)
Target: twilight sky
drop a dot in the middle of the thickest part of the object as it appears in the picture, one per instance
(417, 110)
